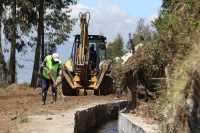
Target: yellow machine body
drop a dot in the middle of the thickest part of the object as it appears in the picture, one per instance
(77, 71)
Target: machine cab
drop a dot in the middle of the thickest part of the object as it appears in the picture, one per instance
(99, 46)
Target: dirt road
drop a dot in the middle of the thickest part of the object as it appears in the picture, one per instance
(18, 99)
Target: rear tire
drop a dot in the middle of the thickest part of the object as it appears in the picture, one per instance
(85, 92)
(66, 88)
(106, 85)
(96, 92)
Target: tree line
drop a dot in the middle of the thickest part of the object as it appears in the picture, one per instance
(37, 24)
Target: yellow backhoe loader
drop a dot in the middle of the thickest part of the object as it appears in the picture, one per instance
(79, 72)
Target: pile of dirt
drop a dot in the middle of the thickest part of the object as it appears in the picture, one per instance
(16, 89)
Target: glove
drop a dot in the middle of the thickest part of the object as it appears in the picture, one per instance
(56, 83)
(58, 79)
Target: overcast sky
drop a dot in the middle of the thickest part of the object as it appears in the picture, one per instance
(109, 17)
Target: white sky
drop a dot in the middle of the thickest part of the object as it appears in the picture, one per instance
(108, 16)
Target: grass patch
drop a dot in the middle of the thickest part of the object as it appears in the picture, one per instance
(22, 118)
(4, 84)
(174, 98)
(26, 84)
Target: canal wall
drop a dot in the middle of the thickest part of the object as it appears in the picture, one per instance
(128, 123)
(89, 120)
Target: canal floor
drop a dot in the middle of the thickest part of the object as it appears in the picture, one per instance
(109, 127)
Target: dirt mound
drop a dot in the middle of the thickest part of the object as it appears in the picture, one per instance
(16, 89)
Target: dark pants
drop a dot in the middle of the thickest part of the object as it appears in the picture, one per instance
(46, 83)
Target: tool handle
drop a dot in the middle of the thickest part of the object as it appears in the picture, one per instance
(64, 99)
(54, 81)
(52, 78)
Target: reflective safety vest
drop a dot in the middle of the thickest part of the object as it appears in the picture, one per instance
(51, 67)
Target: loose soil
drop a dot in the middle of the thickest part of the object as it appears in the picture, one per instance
(27, 101)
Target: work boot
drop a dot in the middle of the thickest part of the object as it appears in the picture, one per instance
(54, 96)
(44, 98)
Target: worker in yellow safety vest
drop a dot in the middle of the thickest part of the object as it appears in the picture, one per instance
(51, 65)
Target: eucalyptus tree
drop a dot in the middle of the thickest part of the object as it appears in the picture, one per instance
(10, 34)
(1, 53)
(55, 24)
(13, 44)
(115, 48)
(20, 17)
(37, 52)
(142, 34)
(2, 61)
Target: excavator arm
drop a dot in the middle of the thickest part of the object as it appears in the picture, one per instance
(82, 53)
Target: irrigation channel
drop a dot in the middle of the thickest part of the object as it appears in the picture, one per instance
(109, 115)
(91, 119)
(109, 127)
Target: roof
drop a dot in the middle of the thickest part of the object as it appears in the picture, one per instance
(92, 37)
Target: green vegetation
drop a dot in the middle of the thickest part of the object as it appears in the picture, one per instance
(4, 67)
(143, 34)
(21, 117)
(115, 48)
(26, 84)
(174, 97)
(27, 17)
(167, 55)
(178, 44)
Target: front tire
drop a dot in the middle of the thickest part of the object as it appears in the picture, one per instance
(96, 92)
(106, 85)
(66, 88)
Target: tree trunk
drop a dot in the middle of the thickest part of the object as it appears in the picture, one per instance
(131, 84)
(42, 57)
(37, 52)
(1, 53)
(13, 43)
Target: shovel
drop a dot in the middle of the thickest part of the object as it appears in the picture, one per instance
(64, 98)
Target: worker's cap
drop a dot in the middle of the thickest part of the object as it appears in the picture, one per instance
(92, 45)
(55, 57)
